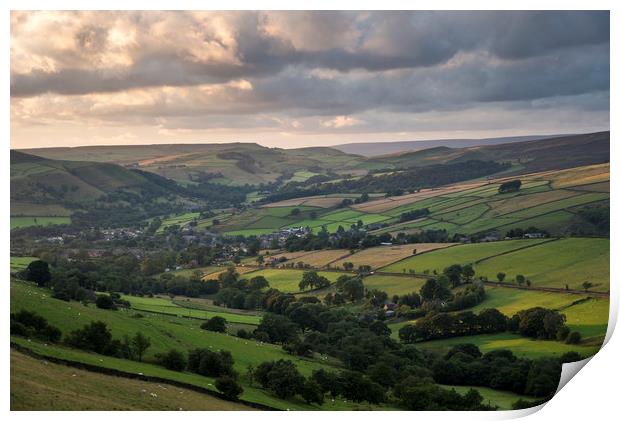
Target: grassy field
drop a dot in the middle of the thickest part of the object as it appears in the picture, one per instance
(166, 306)
(437, 260)
(394, 284)
(41, 385)
(500, 398)
(287, 280)
(555, 264)
(180, 219)
(20, 262)
(165, 332)
(321, 258)
(378, 257)
(519, 345)
(31, 221)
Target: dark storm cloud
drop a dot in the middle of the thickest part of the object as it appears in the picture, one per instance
(548, 44)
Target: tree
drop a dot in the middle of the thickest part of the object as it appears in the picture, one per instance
(573, 338)
(453, 273)
(353, 289)
(105, 302)
(586, 285)
(468, 272)
(281, 377)
(172, 360)
(215, 324)
(501, 276)
(229, 387)
(510, 186)
(209, 363)
(311, 392)
(38, 271)
(279, 328)
(364, 269)
(139, 345)
(94, 336)
(295, 212)
(260, 259)
(347, 266)
(520, 279)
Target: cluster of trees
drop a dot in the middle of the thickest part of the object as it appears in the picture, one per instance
(500, 369)
(520, 233)
(409, 179)
(313, 280)
(30, 325)
(414, 214)
(537, 322)
(509, 186)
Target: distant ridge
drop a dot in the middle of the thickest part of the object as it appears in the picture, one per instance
(387, 148)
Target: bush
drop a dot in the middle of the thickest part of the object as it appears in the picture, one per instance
(105, 302)
(563, 333)
(94, 337)
(229, 387)
(573, 338)
(243, 334)
(28, 324)
(209, 363)
(172, 360)
(281, 377)
(215, 324)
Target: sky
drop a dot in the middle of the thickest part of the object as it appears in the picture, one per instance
(295, 79)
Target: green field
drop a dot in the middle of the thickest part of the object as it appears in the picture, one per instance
(41, 221)
(287, 280)
(519, 345)
(180, 219)
(394, 285)
(555, 264)
(437, 260)
(166, 306)
(500, 398)
(165, 332)
(41, 385)
(20, 263)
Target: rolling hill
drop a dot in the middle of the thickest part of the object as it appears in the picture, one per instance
(371, 149)
(45, 188)
(232, 163)
(529, 156)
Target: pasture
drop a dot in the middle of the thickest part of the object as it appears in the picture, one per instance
(167, 306)
(394, 285)
(39, 385)
(41, 221)
(519, 345)
(20, 262)
(569, 261)
(378, 257)
(287, 280)
(437, 260)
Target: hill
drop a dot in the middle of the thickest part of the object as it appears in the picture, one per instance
(231, 163)
(529, 156)
(44, 189)
(371, 149)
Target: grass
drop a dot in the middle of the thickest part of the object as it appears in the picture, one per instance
(437, 260)
(555, 264)
(519, 345)
(394, 285)
(165, 332)
(180, 219)
(41, 385)
(589, 318)
(500, 398)
(20, 262)
(166, 306)
(378, 257)
(32, 221)
(287, 280)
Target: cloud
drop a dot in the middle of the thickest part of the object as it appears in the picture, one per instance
(311, 72)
